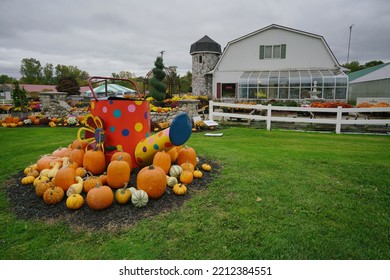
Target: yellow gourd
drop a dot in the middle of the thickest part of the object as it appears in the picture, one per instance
(180, 189)
(206, 167)
(52, 172)
(28, 180)
(76, 188)
(45, 172)
(198, 174)
(39, 179)
(75, 201)
(123, 195)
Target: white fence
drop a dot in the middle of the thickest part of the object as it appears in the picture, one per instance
(343, 116)
(6, 102)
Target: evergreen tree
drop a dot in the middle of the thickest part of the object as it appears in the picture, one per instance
(157, 87)
(19, 96)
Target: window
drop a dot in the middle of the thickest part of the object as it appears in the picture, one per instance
(200, 59)
(268, 52)
(228, 90)
(275, 52)
(293, 84)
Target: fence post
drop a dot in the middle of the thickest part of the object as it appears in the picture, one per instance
(269, 113)
(211, 109)
(338, 119)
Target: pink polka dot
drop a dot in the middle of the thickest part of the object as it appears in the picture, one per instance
(104, 109)
(131, 108)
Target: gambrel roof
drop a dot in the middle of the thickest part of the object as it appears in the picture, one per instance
(328, 53)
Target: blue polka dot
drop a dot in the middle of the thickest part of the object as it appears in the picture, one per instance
(156, 147)
(146, 135)
(146, 115)
(112, 128)
(117, 113)
(125, 132)
(111, 102)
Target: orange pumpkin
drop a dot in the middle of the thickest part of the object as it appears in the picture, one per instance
(173, 153)
(81, 171)
(72, 164)
(118, 174)
(103, 178)
(94, 161)
(61, 152)
(123, 156)
(77, 155)
(80, 118)
(187, 154)
(16, 120)
(100, 197)
(9, 119)
(186, 177)
(91, 182)
(153, 180)
(188, 166)
(178, 148)
(79, 144)
(44, 162)
(53, 195)
(65, 177)
(42, 186)
(163, 160)
(32, 118)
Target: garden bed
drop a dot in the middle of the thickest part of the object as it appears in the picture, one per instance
(25, 204)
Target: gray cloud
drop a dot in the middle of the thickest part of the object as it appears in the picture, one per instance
(103, 37)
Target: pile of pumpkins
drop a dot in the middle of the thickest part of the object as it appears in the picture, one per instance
(10, 121)
(81, 175)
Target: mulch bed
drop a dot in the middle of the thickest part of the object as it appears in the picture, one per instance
(25, 204)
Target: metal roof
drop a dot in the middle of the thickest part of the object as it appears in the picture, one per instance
(377, 72)
(205, 44)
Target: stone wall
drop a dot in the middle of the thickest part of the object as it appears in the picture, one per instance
(202, 83)
(54, 104)
(188, 106)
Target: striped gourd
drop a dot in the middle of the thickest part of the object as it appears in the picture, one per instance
(175, 171)
(139, 198)
(171, 181)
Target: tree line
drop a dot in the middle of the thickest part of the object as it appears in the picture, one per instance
(70, 78)
(354, 66)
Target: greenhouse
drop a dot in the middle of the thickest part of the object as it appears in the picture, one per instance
(293, 85)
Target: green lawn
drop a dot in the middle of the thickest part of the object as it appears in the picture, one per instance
(280, 195)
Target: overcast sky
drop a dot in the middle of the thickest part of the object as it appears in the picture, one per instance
(102, 37)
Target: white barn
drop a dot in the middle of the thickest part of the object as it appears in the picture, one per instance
(278, 62)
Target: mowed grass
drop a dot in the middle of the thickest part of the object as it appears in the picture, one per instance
(279, 195)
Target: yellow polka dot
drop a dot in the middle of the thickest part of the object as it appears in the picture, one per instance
(138, 127)
(138, 102)
(92, 105)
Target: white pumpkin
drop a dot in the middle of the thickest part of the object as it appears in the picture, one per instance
(139, 198)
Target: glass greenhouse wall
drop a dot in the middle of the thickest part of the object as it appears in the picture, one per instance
(293, 85)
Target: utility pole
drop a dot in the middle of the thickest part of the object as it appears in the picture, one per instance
(349, 41)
